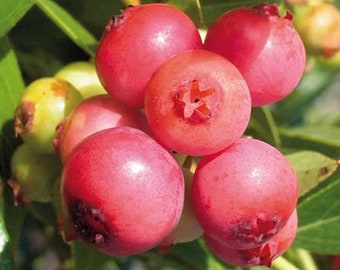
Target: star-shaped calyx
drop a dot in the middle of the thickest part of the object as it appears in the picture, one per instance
(191, 104)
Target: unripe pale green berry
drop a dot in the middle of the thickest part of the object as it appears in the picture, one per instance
(44, 103)
(319, 28)
(188, 228)
(33, 175)
(83, 76)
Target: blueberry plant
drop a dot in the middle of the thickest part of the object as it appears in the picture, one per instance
(190, 134)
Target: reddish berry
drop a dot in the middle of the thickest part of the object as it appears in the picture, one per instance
(94, 114)
(122, 191)
(136, 42)
(336, 262)
(263, 46)
(244, 194)
(197, 103)
(262, 255)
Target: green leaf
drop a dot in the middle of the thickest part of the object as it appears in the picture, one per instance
(11, 12)
(11, 88)
(319, 219)
(87, 258)
(192, 255)
(69, 25)
(212, 9)
(44, 212)
(6, 258)
(14, 218)
(313, 84)
(11, 83)
(205, 12)
(192, 8)
(323, 139)
(312, 168)
(262, 126)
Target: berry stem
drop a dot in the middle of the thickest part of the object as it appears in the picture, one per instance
(306, 260)
(190, 163)
(281, 263)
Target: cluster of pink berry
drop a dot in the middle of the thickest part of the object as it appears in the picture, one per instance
(124, 186)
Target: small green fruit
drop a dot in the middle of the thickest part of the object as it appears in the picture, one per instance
(319, 28)
(44, 104)
(33, 175)
(188, 229)
(83, 76)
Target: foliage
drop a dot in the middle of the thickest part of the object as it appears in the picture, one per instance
(39, 37)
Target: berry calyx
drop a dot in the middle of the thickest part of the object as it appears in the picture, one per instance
(263, 255)
(191, 103)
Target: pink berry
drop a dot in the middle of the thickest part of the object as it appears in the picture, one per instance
(262, 255)
(122, 192)
(265, 47)
(244, 194)
(197, 103)
(91, 115)
(136, 42)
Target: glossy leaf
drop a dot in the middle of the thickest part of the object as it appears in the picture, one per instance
(192, 8)
(11, 83)
(71, 27)
(313, 84)
(14, 218)
(312, 168)
(6, 258)
(87, 258)
(319, 219)
(11, 12)
(323, 139)
(194, 255)
(213, 9)
(6, 261)
(262, 126)
(11, 88)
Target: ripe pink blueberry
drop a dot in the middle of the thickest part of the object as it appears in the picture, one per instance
(262, 255)
(122, 192)
(197, 103)
(244, 195)
(91, 115)
(136, 42)
(265, 47)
